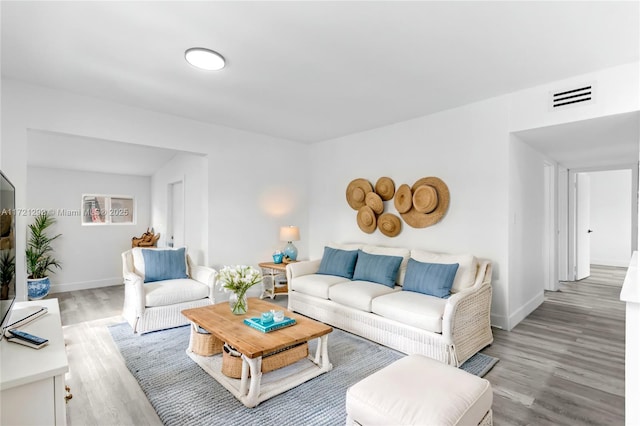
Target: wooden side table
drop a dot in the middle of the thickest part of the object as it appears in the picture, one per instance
(274, 270)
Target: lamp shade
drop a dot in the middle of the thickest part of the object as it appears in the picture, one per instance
(289, 233)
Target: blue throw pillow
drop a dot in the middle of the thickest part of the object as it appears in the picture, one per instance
(160, 265)
(377, 268)
(338, 262)
(434, 279)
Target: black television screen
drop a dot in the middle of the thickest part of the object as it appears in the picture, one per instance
(7, 248)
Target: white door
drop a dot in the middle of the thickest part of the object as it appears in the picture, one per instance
(176, 214)
(583, 223)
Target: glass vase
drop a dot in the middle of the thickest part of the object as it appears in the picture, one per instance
(238, 304)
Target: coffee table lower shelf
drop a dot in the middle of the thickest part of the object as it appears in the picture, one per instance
(254, 386)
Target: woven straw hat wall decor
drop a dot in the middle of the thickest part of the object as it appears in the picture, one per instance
(403, 200)
(369, 203)
(429, 198)
(374, 201)
(389, 224)
(357, 191)
(385, 188)
(421, 205)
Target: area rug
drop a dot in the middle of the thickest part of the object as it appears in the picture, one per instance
(479, 364)
(183, 394)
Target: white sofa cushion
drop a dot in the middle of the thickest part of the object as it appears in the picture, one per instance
(416, 390)
(392, 251)
(345, 246)
(467, 269)
(411, 308)
(169, 292)
(316, 285)
(358, 294)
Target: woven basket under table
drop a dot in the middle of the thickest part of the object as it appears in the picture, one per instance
(232, 364)
(202, 343)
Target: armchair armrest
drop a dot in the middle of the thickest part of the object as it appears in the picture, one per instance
(207, 276)
(298, 269)
(133, 286)
(204, 275)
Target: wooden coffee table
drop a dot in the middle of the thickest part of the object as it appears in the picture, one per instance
(252, 344)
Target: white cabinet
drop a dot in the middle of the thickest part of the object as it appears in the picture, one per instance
(32, 380)
(631, 294)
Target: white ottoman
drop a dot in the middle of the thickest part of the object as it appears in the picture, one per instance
(417, 390)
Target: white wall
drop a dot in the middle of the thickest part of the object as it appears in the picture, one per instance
(526, 230)
(617, 92)
(611, 217)
(90, 255)
(256, 183)
(254, 189)
(466, 147)
(191, 170)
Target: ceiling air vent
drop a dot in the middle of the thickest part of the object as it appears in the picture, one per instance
(579, 95)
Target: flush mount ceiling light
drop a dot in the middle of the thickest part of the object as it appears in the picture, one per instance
(205, 59)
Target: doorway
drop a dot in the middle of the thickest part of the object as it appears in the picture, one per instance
(602, 218)
(583, 229)
(175, 214)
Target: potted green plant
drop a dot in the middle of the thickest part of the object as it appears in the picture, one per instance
(40, 260)
(7, 270)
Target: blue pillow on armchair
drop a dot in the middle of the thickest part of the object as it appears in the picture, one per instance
(434, 279)
(377, 268)
(338, 262)
(160, 265)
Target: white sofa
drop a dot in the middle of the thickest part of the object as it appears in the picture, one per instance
(450, 330)
(157, 305)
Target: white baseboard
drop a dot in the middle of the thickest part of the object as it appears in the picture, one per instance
(611, 262)
(523, 311)
(499, 321)
(85, 285)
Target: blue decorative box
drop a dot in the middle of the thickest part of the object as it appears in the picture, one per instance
(273, 325)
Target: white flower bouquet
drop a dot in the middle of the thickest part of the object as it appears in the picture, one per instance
(237, 280)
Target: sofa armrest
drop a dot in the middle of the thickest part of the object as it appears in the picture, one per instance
(483, 276)
(298, 269)
(466, 323)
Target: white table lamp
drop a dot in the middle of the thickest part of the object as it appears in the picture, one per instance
(289, 234)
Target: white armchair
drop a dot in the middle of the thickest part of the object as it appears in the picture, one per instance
(158, 303)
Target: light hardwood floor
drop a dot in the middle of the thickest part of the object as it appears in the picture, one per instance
(104, 391)
(562, 365)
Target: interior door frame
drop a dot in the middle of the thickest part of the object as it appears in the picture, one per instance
(170, 202)
(551, 226)
(571, 255)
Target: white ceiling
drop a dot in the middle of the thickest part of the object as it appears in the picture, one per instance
(311, 71)
(73, 152)
(598, 143)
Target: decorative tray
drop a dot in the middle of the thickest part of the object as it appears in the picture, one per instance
(273, 325)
